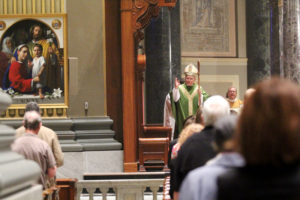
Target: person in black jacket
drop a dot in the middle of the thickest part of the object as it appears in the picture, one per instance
(197, 149)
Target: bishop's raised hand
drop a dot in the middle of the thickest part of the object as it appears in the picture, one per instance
(177, 83)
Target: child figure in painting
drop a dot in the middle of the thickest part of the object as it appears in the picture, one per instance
(38, 68)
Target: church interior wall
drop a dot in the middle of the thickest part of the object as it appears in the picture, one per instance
(98, 60)
(217, 74)
(86, 42)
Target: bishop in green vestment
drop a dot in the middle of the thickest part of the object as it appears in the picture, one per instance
(185, 98)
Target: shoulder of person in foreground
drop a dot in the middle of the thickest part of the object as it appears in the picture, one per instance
(200, 183)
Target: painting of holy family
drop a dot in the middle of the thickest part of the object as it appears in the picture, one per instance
(32, 60)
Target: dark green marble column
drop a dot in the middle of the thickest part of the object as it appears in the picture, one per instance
(162, 44)
(274, 38)
(258, 40)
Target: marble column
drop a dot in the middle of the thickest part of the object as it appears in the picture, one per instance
(290, 36)
(17, 175)
(162, 45)
(274, 38)
(258, 40)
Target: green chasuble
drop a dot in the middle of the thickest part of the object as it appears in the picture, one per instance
(186, 105)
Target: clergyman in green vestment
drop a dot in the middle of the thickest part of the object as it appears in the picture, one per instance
(184, 98)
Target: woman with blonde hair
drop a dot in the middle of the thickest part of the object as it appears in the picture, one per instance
(187, 132)
(184, 135)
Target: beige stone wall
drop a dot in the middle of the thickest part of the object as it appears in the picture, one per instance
(87, 57)
(217, 74)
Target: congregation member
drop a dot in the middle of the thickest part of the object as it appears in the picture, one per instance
(189, 120)
(33, 148)
(184, 99)
(187, 132)
(197, 149)
(268, 137)
(49, 136)
(46, 134)
(200, 184)
(235, 103)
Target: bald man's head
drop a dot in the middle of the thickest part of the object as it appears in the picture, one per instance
(32, 120)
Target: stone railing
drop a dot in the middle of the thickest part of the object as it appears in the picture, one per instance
(130, 189)
(18, 176)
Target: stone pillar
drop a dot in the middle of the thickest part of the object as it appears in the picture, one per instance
(17, 175)
(290, 34)
(274, 38)
(258, 40)
(162, 44)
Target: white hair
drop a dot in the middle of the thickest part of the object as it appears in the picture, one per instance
(32, 120)
(214, 108)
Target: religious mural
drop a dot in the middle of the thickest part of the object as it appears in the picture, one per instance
(208, 28)
(32, 60)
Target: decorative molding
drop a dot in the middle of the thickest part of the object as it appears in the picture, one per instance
(46, 112)
(214, 61)
(142, 13)
(29, 7)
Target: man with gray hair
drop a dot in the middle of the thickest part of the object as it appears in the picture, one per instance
(33, 148)
(49, 136)
(46, 134)
(197, 150)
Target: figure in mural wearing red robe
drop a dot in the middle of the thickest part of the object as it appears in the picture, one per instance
(18, 75)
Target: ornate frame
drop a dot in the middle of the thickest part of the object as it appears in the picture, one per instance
(58, 24)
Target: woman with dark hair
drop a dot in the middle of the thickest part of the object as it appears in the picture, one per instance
(268, 136)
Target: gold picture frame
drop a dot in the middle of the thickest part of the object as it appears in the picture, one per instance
(208, 28)
(55, 90)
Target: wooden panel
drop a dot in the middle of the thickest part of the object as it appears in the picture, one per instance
(153, 145)
(128, 85)
(153, 149)
(154, 131)
(67, 188)
(130, 167)
(113, 68)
